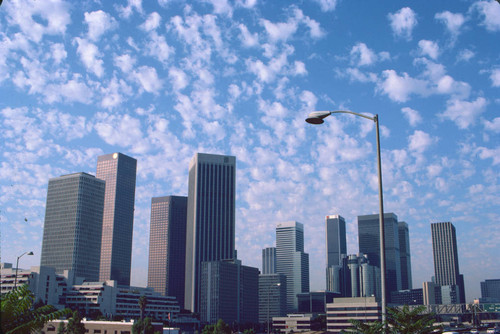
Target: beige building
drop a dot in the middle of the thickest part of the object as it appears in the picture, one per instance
(342, 310)
(99, 327)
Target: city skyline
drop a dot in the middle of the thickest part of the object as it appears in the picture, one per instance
(160, 81)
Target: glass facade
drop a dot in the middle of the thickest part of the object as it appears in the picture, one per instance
(119, 172)
(73, 225)
(269, 260)
(210, 230)
(291, 260)
(404, 253)
(167, 246)
(369, 244)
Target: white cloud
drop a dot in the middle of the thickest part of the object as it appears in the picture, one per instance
(152, 22)
(412, 115)
(75, 91)
(362, 55)
(121, 130)
(98, 23)
(486, 153)
(221, 7)
(403, 22)
(327, 5)
(178, 78)
(464, 113)
(58, 52)
(279, 31)
(246, 3)
(113, 94)
(465, 55)
(452, 21)
(247, 39)
(124, 62)
(429, 48)
(128, 10)
(490, 11)
(419, 141)
(54, 15)
(147, 77)
(89, 55)
(495, 77)
(267, 73)
(493, 125)
(399, 88)
(158, 47)
(356, 75)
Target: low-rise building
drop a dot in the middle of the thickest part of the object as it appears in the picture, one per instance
(293, 323)
(342, 310)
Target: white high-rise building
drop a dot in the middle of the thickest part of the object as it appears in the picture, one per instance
(291, 260)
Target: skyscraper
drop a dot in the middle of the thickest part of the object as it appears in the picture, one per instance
(210, 230)
(336, 249)
(445, 251)
(119, 172)
(291, 260)
(73, 225)
(269, 260)
(167, 246)
(404, 253)
(369, 244)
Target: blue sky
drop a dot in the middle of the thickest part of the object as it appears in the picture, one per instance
(160, 81)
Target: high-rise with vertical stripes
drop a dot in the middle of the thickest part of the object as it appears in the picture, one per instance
(291, 260)
(269, 260)
(445, 251)
(336, 249)
(210, 229)
(119, 172)
(167, 246)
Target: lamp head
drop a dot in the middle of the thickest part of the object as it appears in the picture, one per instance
(30, 253)
(316, 117)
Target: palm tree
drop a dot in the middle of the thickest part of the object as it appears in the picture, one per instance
(143, 301)
(375, 327)
(20, 316)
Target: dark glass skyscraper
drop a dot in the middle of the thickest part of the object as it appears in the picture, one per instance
(167, 246)
(336, 245)
(291, 261)
(210, 230)
(445, 251)
(404, 253)
(119, 172)
(73, 225)
(369, 244)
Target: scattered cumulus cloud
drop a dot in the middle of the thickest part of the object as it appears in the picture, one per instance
(465, 55)
(452, 21)
(429, 48)
(495, 77)
(400, 87)
(403, 22)
(413, 116)
(464, 113)
(90, 56)
(419, 141)
(327, 5)
(98, 23)
(490, 13)
(152, 22)
(493, 125)
(362, 55)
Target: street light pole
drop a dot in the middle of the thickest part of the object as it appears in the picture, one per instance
(317, 118)
(17, 266)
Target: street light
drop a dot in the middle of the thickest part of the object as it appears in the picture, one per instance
(317, 117)
(269, 301)
(17, 266)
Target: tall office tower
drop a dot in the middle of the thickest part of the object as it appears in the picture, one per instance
(369, 244)
(269, 260)
(119, 171)
(210, 230)
(228, 291)
(167, 246)
(73, 225)
(490, 290)
(336, 248)
(444, 248)
(291, 260)
(272, 297)
(404, 253)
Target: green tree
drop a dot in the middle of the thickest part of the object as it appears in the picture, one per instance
(61, 329)
(143, 326)
(410, 321)
(20, 316)
(249, 331)
(75, 325)
(219, 328)
(366, 327)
